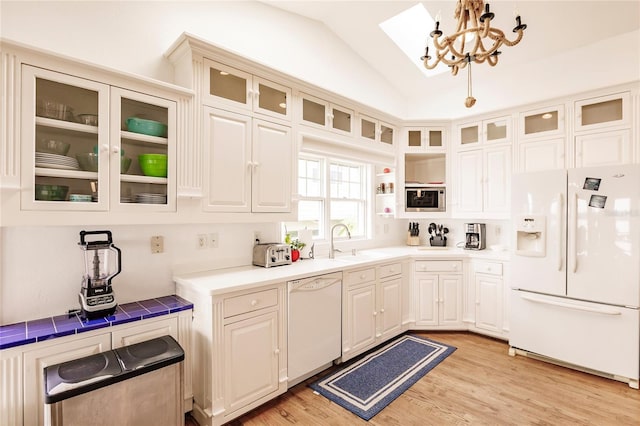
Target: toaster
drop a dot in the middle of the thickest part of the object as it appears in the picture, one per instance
(271, 254)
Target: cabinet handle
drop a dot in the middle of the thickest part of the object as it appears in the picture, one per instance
(254, 302)
(104, 148)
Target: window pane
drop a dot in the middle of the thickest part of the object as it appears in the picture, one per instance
(310, 216)
(351, 213)
(309, 178)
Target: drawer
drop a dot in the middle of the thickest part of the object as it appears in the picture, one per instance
(360, 276)
(491, 268)
(389, 270)
(250, 302)
(439, 266)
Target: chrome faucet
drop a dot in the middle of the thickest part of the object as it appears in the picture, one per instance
(333, 250)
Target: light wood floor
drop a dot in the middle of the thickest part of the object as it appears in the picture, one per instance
(479, 384)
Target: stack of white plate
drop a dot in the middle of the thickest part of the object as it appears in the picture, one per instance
(150, 198)
(56, 161)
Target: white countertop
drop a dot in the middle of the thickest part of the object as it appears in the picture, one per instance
(245, 277)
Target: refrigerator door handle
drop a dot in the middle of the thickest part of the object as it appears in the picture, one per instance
(574, 229)
(560, 235)
(601, 310)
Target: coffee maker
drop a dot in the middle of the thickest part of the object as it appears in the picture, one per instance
(102, 263)
(475, 236)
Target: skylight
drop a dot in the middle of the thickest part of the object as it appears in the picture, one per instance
(410, 30)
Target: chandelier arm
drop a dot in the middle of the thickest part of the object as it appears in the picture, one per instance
(516, 41)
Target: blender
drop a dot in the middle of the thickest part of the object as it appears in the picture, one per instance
(102, 263)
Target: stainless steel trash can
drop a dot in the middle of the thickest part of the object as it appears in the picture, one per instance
(139, 384)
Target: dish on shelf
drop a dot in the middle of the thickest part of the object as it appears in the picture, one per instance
(153, 164)
(51, 192)
(55, 161)
(89, 119)
(52, 109)
(150, 198)
(88, 161)
(52, 146)
(146, 127)
(125, 163)
(80, 198)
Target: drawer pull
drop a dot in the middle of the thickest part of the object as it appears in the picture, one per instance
(254, 302)
(363, 276)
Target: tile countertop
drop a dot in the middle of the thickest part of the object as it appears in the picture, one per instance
(23, 333)
(221, 281)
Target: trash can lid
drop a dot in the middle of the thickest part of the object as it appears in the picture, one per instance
(79, 376)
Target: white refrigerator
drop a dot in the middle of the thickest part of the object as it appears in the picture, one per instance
(575, 292)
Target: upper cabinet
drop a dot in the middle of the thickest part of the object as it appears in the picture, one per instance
(377, 131)
(495, 130)
(89, 146)
(424, 139)
(240, 90)
(544, 122)
(325, 115)
(603, 112)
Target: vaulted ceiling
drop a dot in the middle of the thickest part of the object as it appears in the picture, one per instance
(523, 74)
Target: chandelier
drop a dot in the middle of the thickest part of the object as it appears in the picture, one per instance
(475, 40)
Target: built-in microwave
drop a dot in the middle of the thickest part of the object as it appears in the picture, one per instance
(425, 199)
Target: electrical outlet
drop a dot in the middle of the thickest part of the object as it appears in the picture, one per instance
(256, 237)
(157, 244)
(213, 240)
(201, 242)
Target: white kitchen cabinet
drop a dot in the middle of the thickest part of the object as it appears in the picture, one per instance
(545, 122)
(372, 312)
(249, 163)
(424, 139)
(494, 130)
(489, 294)
(240, 347)
(598, 113)
(377, 131)
(541, 154)
(231, 88)
(484, 179)
(438, 290)
(251, 348)
(323, 114)
(111, 189)
(603, 149)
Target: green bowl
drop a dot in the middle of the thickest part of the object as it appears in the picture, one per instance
(51, 192)
(153, 164)
(88, 161)
(146, 127)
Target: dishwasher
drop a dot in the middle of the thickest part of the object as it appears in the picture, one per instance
(315, 325)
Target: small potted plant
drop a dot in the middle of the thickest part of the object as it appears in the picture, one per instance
(296, 245)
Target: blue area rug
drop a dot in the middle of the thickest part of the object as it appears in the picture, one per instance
(373, 382)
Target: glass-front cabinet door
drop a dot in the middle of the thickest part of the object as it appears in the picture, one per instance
(603, 111)
(424, 139)
(87, 146)
(64, 133)
(142, 154)
(542, 122)
(322, 114)
(240, 90)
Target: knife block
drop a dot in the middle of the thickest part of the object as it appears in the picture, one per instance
(412, 240)
(438, 241)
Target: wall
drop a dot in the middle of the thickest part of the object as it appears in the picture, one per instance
(133, 36)
(41, 268)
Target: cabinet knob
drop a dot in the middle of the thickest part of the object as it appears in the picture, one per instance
(375, 313)
(116, 150)
(363, 276)
(276, 351)
(104, 148)
(382, 311)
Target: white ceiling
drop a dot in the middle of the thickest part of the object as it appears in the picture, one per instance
(554, 28)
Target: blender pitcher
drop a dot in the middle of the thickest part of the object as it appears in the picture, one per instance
(102, 263)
